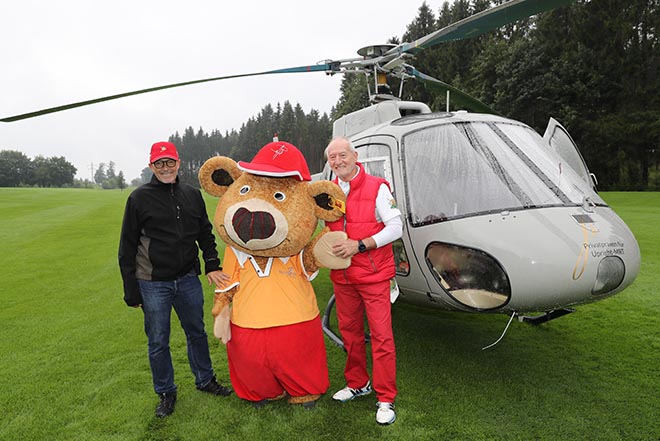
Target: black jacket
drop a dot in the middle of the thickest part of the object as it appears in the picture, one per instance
(162, 228)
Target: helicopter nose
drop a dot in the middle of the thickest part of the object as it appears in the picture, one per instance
(253, 225)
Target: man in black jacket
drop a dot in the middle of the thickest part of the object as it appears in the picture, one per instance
(164, 223)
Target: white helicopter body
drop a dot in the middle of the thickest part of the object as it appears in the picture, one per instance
(497, 218)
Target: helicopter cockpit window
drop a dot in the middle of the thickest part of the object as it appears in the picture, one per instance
(577, 187)
(455, 170)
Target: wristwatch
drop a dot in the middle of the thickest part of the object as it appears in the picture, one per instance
(361, 247)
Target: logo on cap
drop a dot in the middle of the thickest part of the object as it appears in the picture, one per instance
(279, 151)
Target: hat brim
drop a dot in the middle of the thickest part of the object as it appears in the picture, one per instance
(157, 157)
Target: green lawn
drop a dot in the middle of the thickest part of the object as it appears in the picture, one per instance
(74, 358)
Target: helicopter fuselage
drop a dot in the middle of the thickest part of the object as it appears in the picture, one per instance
(497, 218)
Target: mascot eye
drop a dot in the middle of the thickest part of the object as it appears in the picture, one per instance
(244, 189)
(279, 196)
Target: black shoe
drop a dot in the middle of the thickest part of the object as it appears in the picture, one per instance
(212, 387)
(166, 405)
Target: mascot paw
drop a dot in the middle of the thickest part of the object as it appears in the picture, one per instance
(221, 328)
(323, 251)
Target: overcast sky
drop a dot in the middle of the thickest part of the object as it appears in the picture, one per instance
(59, 52)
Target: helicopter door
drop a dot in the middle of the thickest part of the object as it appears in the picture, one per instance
(380, 166)
(410, 277)
(562, 143)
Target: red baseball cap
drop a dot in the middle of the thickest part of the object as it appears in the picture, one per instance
(162, 150)
(278, 159)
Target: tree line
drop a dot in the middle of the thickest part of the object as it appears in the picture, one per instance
(108, 178)
(593, 65)
(310, 132)
(16, 169)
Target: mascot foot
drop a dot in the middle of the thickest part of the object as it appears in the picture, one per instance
(309, 405)
(262, 403)
(307, 401)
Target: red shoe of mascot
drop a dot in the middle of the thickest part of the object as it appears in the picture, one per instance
(268, 315)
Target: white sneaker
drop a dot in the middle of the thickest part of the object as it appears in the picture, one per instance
(347, 393)
(385, 413)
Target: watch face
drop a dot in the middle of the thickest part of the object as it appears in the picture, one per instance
(362, 247)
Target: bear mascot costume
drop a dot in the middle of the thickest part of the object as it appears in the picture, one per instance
(267, 314)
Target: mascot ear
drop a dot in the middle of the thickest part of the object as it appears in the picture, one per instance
(217, 174)
(329, 199)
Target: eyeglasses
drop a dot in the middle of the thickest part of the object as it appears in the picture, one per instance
(163, 162)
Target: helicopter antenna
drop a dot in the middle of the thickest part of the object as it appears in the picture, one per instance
(503, 333)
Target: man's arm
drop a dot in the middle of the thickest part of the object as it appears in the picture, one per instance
(388, 212)
(206, 239)
(128, 243)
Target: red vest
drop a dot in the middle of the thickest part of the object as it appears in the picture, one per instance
(359, 222)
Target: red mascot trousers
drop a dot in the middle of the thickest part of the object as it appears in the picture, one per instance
(264, 363)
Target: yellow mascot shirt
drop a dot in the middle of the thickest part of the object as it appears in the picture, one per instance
(279, 294)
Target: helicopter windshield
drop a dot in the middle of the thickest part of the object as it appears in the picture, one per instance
(455, 170)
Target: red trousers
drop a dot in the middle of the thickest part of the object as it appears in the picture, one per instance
(263, 363)
(352, 301)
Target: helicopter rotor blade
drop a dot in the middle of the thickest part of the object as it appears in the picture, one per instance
(457, 96)
(327, 66)
(477, 24)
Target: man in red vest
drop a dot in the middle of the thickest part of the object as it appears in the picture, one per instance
(372, 222)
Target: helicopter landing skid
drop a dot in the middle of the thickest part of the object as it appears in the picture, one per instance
(327, 330)
(545, 317)
(325, 324)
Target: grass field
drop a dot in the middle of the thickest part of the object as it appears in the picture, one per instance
(74, 359)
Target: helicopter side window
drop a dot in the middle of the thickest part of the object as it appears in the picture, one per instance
(376, 161)
(401, 262)
(563, 144)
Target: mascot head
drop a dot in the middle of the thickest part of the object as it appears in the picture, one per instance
(269, 207)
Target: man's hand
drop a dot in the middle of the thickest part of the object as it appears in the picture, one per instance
(219, 278)
(345, 248)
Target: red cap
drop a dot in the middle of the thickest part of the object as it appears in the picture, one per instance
(278, 159)
(162, 150)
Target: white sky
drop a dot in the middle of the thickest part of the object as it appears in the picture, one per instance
(59, 52)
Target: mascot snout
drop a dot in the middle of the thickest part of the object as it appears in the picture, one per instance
(253, 225)
(256, 224)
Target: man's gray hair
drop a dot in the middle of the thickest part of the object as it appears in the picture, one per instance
(350, 145)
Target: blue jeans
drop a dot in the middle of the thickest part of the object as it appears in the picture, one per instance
(186, 296)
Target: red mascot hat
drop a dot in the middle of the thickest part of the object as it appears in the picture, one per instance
(278, 159)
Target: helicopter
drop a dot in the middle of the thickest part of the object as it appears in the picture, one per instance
(497, 218)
